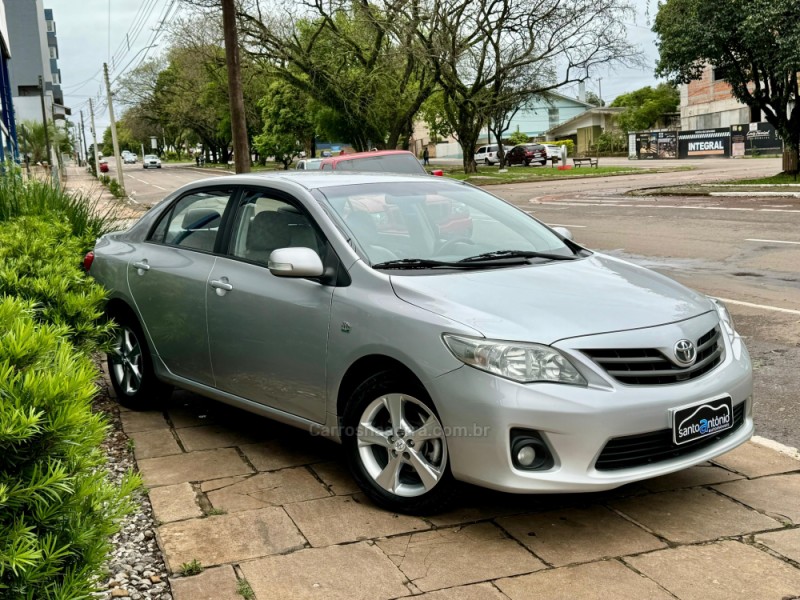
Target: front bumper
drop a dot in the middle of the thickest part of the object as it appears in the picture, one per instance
(478, 411)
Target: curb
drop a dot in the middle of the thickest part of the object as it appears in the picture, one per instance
(776, 446)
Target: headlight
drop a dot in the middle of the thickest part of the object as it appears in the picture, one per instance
(724, 316)
(521, 362)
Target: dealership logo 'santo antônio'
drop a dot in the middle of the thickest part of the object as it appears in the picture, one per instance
(705, 420)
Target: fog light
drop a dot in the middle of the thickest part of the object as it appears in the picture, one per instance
(529, 451)
(526, 455)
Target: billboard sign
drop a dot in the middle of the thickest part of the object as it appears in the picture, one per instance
(652, 145)
(753, 139)
(705, 143)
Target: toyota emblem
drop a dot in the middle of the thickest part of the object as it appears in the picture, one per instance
(685, 352)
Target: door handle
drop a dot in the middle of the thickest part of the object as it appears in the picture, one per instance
(141, 266)
(221, 285)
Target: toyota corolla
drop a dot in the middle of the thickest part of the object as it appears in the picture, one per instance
(507, 356)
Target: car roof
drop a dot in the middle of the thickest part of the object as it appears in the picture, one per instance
(311, 180)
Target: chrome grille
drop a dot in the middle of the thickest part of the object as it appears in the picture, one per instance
(648, 448)
(648, 366)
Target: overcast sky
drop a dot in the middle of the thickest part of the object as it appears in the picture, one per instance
(84, 35)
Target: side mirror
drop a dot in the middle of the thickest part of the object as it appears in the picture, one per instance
(563, 232)
(295, 262)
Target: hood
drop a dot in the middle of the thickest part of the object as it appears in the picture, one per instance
(549, 302)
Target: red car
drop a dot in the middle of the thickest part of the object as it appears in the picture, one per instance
(525, 154)
(382, 161)
(103, 165)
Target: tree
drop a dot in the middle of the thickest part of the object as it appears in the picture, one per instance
(32, 140)
(288, 128)
(490, 52)
(517, 138)
(755, 43)
(645, 106)
(357, 58)
(594, 99)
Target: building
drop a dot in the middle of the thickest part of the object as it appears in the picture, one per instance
(34, 47)
(585, 128)
(8, 134)
(707, 103)
(534, 120)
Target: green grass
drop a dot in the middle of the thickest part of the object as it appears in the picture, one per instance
(491, 175)
(191, 568)
(243, 589)
(779, 179)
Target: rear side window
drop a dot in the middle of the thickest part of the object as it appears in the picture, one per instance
(193, 221)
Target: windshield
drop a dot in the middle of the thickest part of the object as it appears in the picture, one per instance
(437, 221)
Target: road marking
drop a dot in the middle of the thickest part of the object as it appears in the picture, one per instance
(565, 225)
(676, 206)
(158, 187)
(761, 306)
(771, 241)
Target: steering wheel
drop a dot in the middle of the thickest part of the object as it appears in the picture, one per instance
(460, 240)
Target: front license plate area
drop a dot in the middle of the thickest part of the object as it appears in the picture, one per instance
(690, 423)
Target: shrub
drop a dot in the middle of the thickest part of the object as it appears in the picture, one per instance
(115, 188)
(59, 509)
(40, 263)
(35, 198)
(568, 143)
(517, 138)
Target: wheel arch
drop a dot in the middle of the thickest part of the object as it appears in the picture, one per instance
(363, 368)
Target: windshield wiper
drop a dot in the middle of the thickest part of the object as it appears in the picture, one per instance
(424, 263)
(503, 254)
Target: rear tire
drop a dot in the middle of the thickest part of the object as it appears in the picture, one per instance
(130, 368)
(487, 162)
(395, 445)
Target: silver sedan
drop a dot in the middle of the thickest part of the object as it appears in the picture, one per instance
(436, 331)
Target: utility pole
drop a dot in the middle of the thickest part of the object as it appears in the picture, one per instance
(94, 141)
(600, 89)
(241, 150)
(120, 176)
(83, 136)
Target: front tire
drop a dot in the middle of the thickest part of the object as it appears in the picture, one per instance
(130, 368)
(395, 445)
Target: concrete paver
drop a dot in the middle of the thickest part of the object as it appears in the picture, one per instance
(339, 519)
(268, 489)
(192, 466)
(351, 572)
(724, 570)
(786, 542)
(279, 454)
(777, 496)
(753, 460)
(579, 535)
(687, 516)
(154, 443)
(451, 557)
(207, 437)
(336, 476)
(218, 583)
(133, 421)
(478, 591)
(175, 503)
(231, 538)
(593, 581)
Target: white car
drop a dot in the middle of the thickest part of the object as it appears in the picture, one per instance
(487, 155)
(309, 164)
(129, 158)
(552, 150)
(151, 160)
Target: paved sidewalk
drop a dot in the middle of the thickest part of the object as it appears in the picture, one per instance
(253, 500)
(80, 181)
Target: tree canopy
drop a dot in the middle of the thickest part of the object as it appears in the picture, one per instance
(756, 43)
(645, 106)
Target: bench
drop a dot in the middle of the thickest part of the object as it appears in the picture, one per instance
(593, 162)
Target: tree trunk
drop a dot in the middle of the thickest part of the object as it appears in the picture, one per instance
(241, 149)
(468, 139)
(790, 160)
(501, 153)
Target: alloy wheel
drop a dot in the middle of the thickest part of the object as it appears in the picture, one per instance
(126, 361)
(401, 445)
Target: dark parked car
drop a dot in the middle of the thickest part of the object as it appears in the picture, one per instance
(525, 154)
